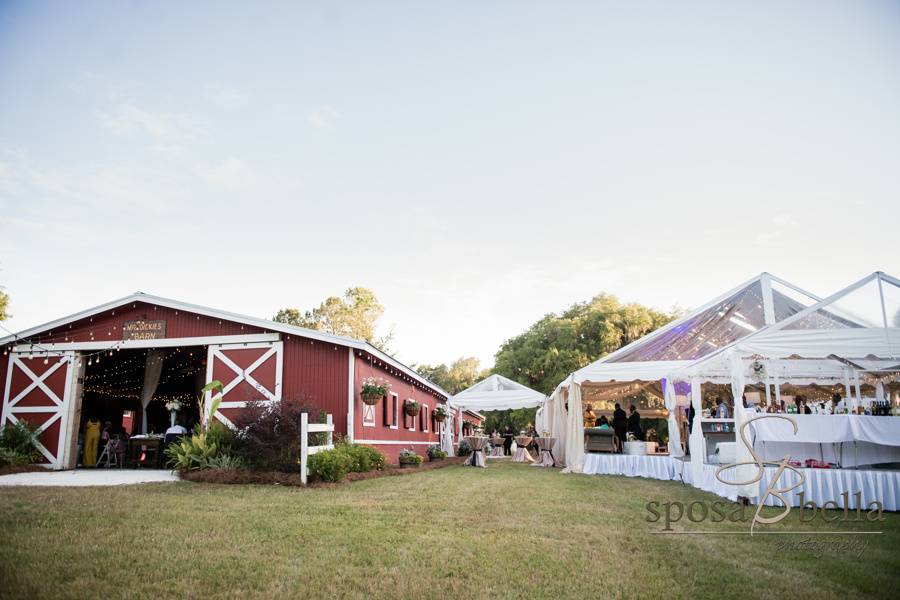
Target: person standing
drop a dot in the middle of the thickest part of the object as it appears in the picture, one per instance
(634, 423)
(91, 441)
(620, 424)
(507, 441)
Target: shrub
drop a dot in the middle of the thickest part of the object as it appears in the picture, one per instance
(19, 437)
(329, 465)
(220, 435)
(408, 457)
(464, 449)
(14, 458)
(435, 453)
(268, 435)
(363, 458)
(224, 462)
(191, 453)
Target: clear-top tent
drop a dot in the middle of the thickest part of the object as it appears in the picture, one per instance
(797, 337)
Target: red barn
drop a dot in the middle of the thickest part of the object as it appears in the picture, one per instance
(123, 361)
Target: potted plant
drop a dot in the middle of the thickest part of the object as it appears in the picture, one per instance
(441, 413)
(435, 453)
(409, 459)
(412, 408)
(374, 389)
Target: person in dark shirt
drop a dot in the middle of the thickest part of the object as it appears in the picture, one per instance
(634, 423)
(620, 424)
(507, 441)
(691, 414)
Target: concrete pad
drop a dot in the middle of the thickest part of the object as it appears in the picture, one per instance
(89, 477)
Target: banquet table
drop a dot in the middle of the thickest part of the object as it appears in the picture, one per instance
(545, 446)
(477, 443)
(850, 440)
(497, 447)
(522, 454)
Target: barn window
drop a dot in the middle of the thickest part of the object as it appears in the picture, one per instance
(395, 410)
(411, 421)
(386, 409)
(423, 421)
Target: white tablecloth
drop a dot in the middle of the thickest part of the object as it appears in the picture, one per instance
(477, 444)
(635, 448)
(545, 445)
(829, 429)
(521, 453)
(653, 467)
(848, 440)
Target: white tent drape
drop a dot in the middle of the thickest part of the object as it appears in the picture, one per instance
(540, 423)
(574, 443)
(447, 435)
(152, 370)
(696, 436)
(741, 451)
(675, 450)
(558, 423)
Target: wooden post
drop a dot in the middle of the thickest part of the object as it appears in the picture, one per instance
(328, 421)
(304, 445)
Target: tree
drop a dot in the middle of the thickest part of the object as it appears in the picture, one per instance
(354, 315)
(4, 304)
(556, 345)
(461, 374)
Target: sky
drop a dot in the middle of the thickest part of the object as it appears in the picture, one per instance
(476, 164)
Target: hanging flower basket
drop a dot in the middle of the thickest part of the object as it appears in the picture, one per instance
(440, 413)
(371, 398)
(411, 408)
(374, 389)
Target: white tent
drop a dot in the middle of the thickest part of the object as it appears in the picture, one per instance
(661, 355)
(497, 393)
(850, 336)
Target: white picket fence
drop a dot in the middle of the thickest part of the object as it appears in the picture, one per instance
(305, 449)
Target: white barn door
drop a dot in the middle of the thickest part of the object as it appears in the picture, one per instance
(249, 371)
(39, 390)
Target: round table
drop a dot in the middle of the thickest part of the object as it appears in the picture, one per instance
(497, 447)
(477, 443)
(522, 454)
(545, 446)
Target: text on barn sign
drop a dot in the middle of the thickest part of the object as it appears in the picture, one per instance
(143, 330)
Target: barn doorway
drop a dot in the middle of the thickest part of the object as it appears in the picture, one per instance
(126, 403)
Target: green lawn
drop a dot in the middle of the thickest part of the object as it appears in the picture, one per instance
(509, 531)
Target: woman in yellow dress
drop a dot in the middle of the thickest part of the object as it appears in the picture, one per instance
(91, 441)
(590, 419)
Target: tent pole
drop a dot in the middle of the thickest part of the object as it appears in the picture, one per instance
(850, 401)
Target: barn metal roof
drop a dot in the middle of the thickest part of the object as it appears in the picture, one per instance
(360, 345)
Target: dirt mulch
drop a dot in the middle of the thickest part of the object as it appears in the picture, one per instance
(13, 469)
(246, 476)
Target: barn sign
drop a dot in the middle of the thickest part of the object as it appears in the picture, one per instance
(143, 330)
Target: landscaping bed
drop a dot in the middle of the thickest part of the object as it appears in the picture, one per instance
(248, 477)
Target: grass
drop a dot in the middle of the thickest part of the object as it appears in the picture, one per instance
(509, 531)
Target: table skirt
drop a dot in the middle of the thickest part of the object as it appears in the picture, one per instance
(821, 486)
(651, 467)
(522, 455)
